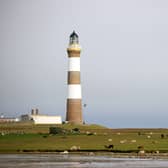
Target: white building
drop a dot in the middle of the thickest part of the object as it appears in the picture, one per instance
(4, 120)
(42, 119)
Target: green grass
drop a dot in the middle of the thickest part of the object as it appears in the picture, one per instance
(31, 128)
(22, 137)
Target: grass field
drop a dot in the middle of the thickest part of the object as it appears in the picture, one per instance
(29, 137)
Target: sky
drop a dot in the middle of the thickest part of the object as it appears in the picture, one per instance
(124, 59)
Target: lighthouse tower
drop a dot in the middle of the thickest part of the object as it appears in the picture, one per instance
(74, 100)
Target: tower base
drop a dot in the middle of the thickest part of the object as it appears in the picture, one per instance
(74, 111)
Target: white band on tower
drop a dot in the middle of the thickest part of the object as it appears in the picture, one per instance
(74, 91)
(74, 64)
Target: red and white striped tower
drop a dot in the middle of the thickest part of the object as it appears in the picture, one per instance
(74, 100)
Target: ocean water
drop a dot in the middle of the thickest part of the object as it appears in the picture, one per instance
(75, 161)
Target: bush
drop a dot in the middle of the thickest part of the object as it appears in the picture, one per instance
(76, 130)
(56, 130)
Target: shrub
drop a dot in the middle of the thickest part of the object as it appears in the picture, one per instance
(56, 130)
(76, 130)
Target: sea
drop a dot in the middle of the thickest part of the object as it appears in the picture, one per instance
(76, 161)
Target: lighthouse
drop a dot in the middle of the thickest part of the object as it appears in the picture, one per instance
(74, 99)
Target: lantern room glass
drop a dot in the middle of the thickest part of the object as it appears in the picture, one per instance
(74, 38)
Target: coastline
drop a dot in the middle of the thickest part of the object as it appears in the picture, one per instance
(131, 155)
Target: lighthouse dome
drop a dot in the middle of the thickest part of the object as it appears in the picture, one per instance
(74, 35)
(74, 38)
